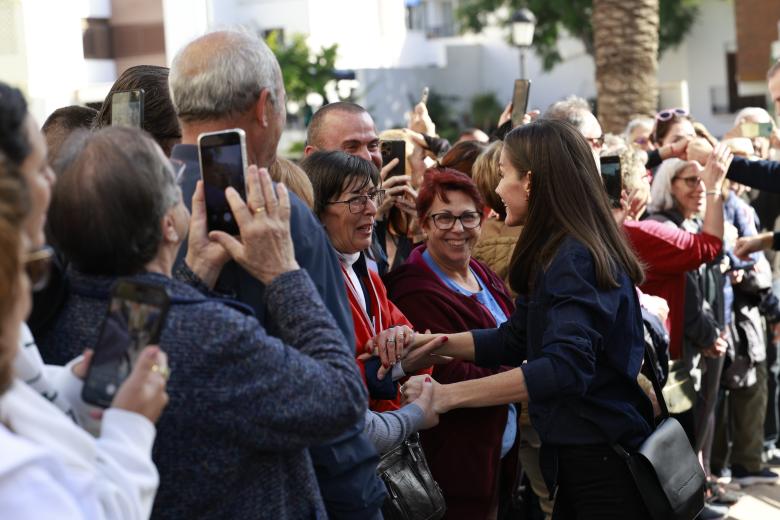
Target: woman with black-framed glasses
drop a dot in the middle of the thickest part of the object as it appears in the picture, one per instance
(441, 287)
(346, 199)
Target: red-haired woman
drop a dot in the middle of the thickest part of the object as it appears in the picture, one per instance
(442, 288)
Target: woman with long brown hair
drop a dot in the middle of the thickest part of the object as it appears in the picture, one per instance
(576, 333)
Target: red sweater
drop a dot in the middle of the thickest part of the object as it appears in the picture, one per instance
(464, 450)
(668, 253)
(388, 317)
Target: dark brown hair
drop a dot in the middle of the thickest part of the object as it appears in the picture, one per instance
(567, 198)
(462, 156)
(332, 172)
(159, 114)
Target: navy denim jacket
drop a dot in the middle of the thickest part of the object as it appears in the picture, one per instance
(584, 347)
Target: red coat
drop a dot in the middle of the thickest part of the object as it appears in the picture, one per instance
(668, 253)
(464, 450)
(389, 317)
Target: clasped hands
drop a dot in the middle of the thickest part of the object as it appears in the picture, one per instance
(401, 344)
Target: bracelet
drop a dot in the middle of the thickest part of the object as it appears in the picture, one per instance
(714, 192)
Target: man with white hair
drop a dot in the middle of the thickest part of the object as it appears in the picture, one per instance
(226, 80)
(576, 110)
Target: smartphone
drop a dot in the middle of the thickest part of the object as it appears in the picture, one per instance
(127, 108)
(136, 314)
(613, 180)
(222, 158)
(520, 101)
(752, 130)
(392, 149)
(424, 95)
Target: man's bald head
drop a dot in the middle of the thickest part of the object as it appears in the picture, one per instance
(344, 126)
(221, 74)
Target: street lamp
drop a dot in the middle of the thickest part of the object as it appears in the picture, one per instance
(523, 23)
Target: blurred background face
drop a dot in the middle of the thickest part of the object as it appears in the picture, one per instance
(678, 131)
(688, 190)
(774, 91)
(350, 232)
(640, 137)
(40, 178)
(453, 246)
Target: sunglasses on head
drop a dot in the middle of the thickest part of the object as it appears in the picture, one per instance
(37, 264)
(666, 115)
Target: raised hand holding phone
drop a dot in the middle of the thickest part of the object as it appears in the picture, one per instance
(265, 249)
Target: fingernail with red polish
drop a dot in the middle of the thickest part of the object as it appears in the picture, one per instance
(427, 379)
(446, 339)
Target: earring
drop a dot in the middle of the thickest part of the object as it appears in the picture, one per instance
(528, 188)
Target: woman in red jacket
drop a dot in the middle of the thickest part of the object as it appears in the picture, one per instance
(346, 197)
(442, 288)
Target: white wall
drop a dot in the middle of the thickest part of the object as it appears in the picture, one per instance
(701, 59)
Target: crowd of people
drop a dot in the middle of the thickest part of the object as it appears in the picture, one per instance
(492, 299)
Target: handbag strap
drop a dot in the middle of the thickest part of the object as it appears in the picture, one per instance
(651, 362)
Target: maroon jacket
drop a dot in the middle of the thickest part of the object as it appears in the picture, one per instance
(464, 450)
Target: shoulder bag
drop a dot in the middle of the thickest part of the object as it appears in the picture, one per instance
(665, 469)
(412, 492)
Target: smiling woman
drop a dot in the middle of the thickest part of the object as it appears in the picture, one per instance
(346, 198)
(442, 288)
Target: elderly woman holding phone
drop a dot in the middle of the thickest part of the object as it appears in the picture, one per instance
(228, 374)
(577, 323)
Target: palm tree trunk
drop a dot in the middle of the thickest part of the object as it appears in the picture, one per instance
(625, 40)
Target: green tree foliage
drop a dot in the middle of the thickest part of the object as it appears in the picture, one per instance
(304, 71)
(573, 16)
(485, 111)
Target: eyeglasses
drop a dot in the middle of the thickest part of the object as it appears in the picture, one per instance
(37, 264)
(445, 221)
(595, 142)
(666, 115)
(358, 204)
(691, 182)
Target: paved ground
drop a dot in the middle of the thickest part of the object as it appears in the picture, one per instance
(761, 502)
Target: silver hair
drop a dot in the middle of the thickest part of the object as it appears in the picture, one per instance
(758, 113)
(661, 198)
(571, 109)
(224, 80)
(648, 122)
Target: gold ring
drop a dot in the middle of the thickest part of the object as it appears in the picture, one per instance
(163, 371)
(259, 210)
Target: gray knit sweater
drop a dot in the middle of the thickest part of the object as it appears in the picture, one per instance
(244, 406)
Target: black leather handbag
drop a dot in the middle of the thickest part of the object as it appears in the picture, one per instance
(665, 468)
(412, 494)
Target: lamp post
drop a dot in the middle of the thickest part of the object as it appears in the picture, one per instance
(523, 23)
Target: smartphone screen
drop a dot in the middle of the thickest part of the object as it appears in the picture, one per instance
(520, 101)
(127, 108)
(222, 164)
(136, 313)
(392, 149)
(613, 182)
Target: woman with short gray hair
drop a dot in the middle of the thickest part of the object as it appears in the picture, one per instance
(233, 441)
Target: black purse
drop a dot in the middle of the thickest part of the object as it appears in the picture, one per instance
(665, 468)
(412, 494)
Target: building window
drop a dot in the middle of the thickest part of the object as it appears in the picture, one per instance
(415, 15)
(96, 36)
